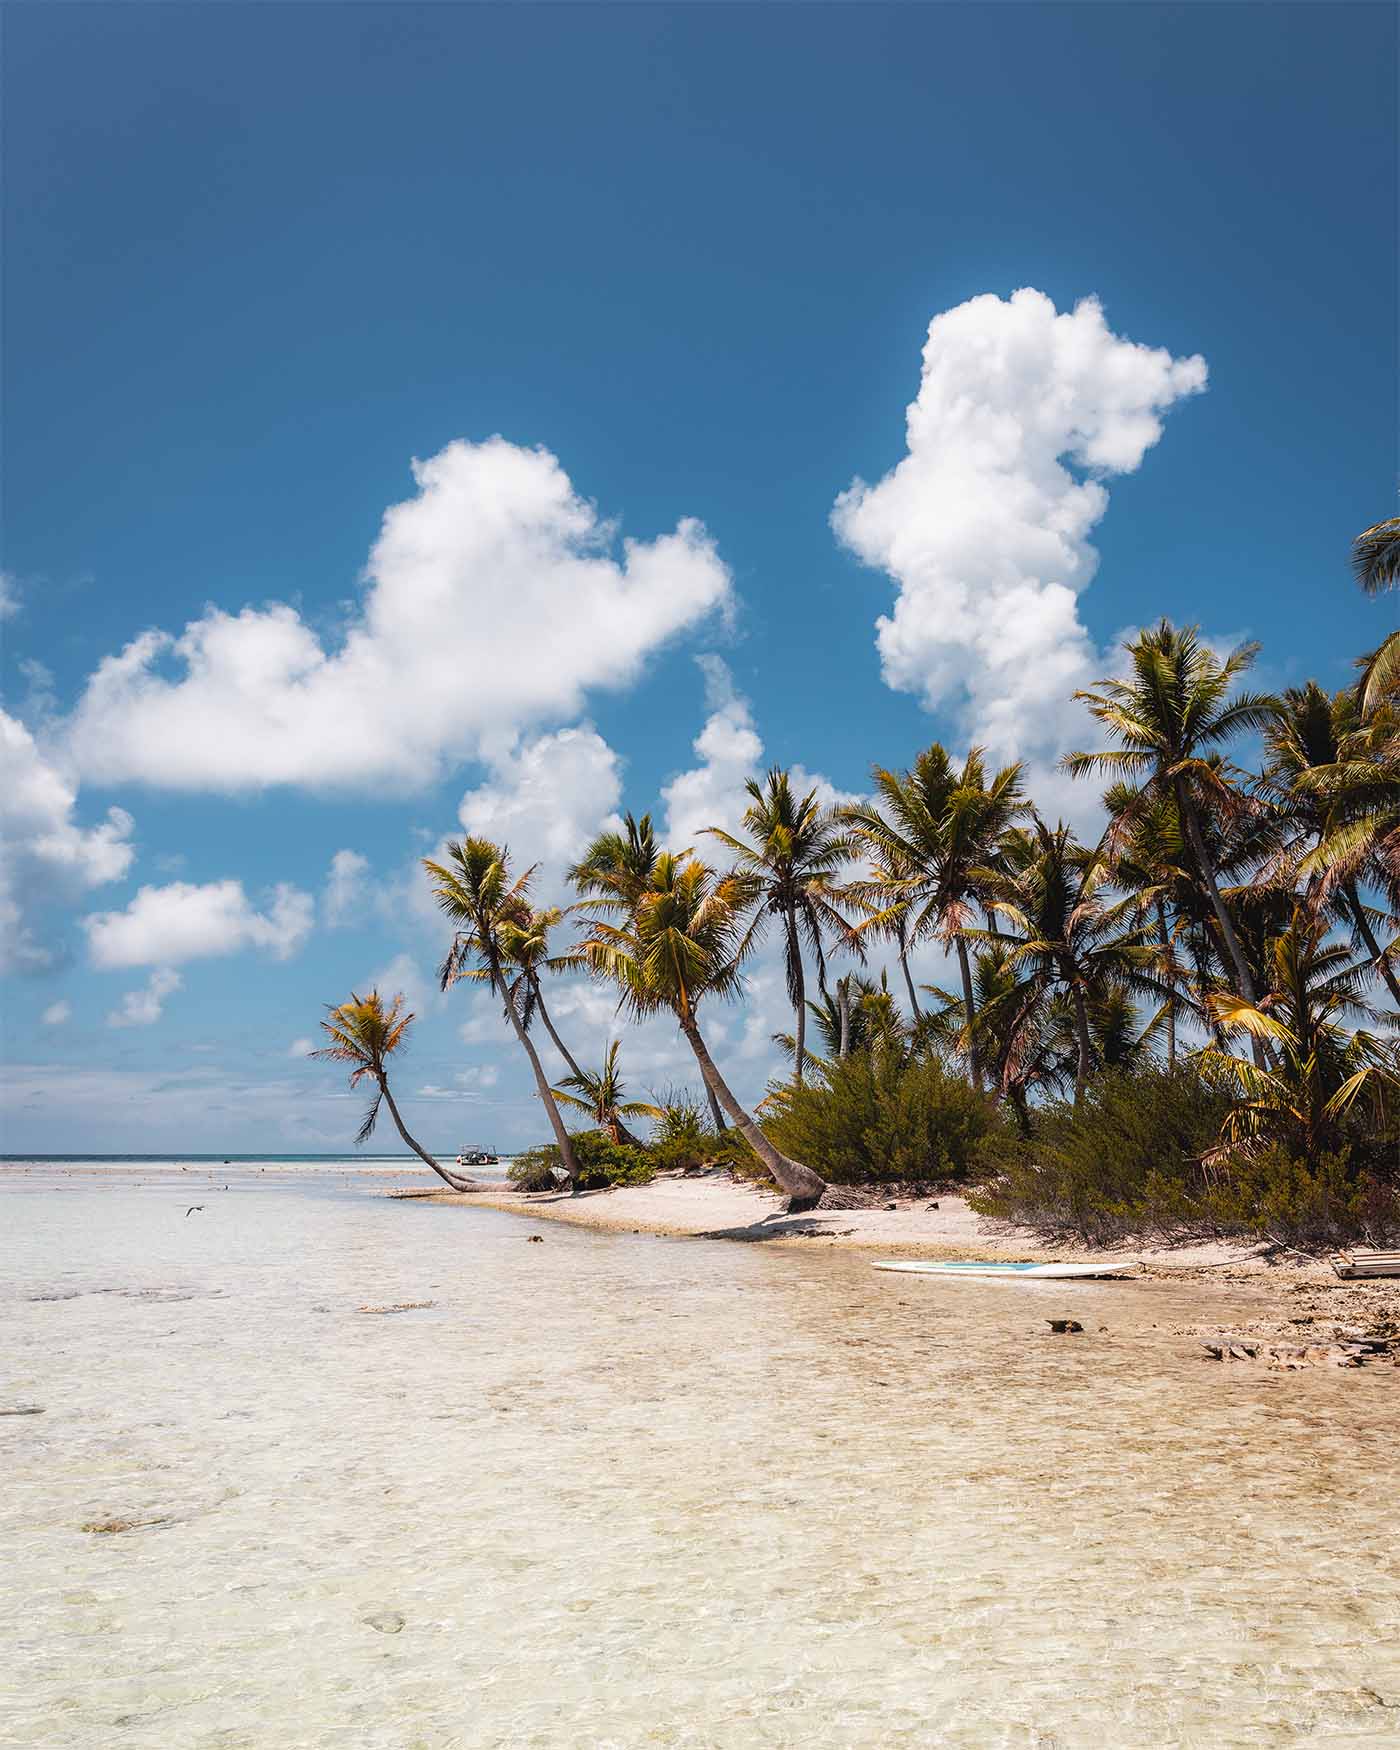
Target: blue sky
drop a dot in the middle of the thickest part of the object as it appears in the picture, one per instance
(260, 258)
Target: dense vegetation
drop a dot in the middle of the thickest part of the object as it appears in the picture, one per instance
(1190, 1022)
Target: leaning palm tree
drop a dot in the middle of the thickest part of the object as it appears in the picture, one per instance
(684, 938)
(933, 834)
(794, 850)
(488, 911)
(1172, 712)
(526, 943)
(599, 1094)
(365, 1033)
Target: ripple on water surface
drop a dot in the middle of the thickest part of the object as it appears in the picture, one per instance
(612, 1490)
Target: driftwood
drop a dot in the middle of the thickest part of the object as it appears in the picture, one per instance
(1064, 1324)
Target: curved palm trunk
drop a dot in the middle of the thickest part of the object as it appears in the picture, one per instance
(915, 1010)
(559, 1044)
(1373, 947)
(803, 1186)
(970, 1012)
(449, 1179)
(1165, 934)
(561, 1135)
(800, 1000)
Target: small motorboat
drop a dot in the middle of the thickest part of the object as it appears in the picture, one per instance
(984, 1267)
(1352, 1266)
(473, 1155)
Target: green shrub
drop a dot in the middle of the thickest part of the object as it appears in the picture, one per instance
(1129, 1161)
(1326, 1203)
(878, 1116)
(702, 1149)
(601, 1162)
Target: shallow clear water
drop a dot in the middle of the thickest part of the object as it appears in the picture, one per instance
(633, 1491)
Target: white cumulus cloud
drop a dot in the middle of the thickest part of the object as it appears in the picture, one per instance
(547, 797)
(143, 1007)
(301, 1048)
(494, 597)
(730, 750)
(1022, 413)
(163, 926)
(44, 853)
(56, 1013)
(345, 888)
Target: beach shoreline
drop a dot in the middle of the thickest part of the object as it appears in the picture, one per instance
(1279, 1296)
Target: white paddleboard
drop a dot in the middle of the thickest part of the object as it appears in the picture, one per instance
(988, 1267)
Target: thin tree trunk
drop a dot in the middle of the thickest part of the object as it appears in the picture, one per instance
(969, 1013)
(1187, 809)
(1171, 981)
(715, 1112)
(561, 1135)
(1017, 1096)
(559, 1044)
(803, 1186)
(908, 977)
(449, 1179)
(1081, 1030)
(800, 1003)
(1373, 947)
(843, 1011)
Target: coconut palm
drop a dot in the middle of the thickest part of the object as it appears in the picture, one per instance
(527, 946)
(794, 851)
(365, 1033)
(1147, 858)
(614, 870)
(1320, 793)
(843, 1020)
(1320, 1068)
(599, 1094)
(933, 834)
(1060, 933)
(1173, 711)
(489, 912)
(684, 938)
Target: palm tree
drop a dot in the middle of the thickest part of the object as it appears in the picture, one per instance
(1375, 558)
(841, 1018)
(488, 912)
(794, 851)
(1320, 1068)
(684, 938)
(615, 869)
(1172, 712)
(935, 844)
(1058, 932)
(599, 1094)
(527, 945)
(1147, 858)
(1308, 745)
(365, 1033)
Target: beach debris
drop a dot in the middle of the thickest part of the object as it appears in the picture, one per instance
(933, 1205)
(1062, 1325)
(534, 1239)
(21, 1409)
(1289, 1357)
(109, 1527)
(398, 1306)
(388, 1622)
(193, 1209)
